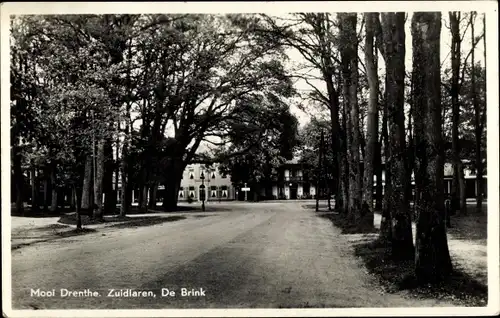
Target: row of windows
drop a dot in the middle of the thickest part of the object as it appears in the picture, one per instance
(213, 188)
(205, 175)
(215, 192)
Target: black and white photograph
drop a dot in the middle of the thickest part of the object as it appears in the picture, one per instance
(250, 158)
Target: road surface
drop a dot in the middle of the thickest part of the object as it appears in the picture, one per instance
(257, 255)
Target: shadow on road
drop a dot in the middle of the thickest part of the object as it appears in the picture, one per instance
(145, 221)
(120, 222)
(48, 237)
(339, 220)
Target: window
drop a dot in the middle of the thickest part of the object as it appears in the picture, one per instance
(224, 191)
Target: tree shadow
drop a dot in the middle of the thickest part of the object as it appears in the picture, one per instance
(339, 220)
(29, 213)
(203, 215)
(396, 276)
(145, 221)
(469, 227)
(51, 238)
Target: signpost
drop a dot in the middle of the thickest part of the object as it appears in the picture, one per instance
(245, 189)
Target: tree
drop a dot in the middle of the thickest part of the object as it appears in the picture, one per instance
(263, 136)
(479, 119)
(391, 38)
(220, 59)
(349, 56)
(458, 184)
(386, 221)
(432, 258)
(372, 120)
(314, 36)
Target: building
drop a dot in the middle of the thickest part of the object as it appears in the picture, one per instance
(290, 181)
(293, 182)
(198, 178)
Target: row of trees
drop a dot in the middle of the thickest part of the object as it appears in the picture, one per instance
(153, 88)
(97, 97)
(411, 121)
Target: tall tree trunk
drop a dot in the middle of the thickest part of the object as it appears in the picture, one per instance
(72, 202)
(140, 195)
(333, 97)
(378, 169)
(109, 193)
(344, 168)
(432, 257)
(87, 183)
(143, 198)
(410, 158)
(124, 172)
(53, 182)
(172, 184)
(152, 195)
(78, 208)
(124, 197)
(18, 180)
(99, 178)
(372, 115)
(45, 191)
(35, 204)
(477, 122)
(350, 81)
(319, 175)
(394, 55)
(458, 181)
(386, 221)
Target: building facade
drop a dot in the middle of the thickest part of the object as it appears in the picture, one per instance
(290, 182)
(293, 182)
(198, 179)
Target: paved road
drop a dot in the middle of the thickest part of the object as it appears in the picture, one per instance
(264, 255)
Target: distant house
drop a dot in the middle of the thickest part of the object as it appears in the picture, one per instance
(293, 182)
(217, 185)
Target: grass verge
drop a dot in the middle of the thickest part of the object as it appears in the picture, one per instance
(394, 276)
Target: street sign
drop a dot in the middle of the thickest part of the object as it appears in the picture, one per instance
(245, 189)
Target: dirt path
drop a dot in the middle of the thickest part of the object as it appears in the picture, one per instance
(267, 255)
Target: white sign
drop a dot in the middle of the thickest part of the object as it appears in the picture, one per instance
(245, 189)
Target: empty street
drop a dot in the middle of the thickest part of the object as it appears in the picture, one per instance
(234, 255)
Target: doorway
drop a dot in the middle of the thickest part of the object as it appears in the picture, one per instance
(293, 191)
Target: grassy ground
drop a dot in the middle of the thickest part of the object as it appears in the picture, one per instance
(467, 286)
(41, 227)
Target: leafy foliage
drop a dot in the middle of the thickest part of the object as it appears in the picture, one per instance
(263, 136)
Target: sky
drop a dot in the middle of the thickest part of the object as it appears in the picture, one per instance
(302, 86)
(282, 10)
(295, 58)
